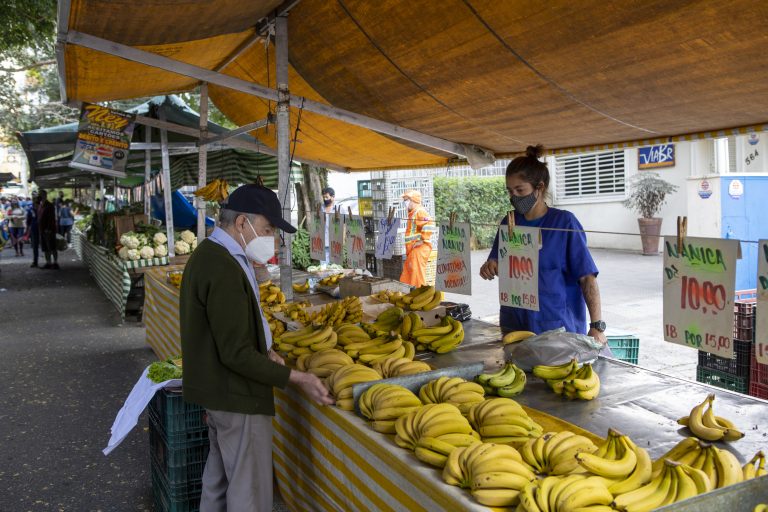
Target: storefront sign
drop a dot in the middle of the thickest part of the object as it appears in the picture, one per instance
(387, 237)
(317, 237)
(103, 140)
(736, 189)
(336, 236)
(454, 262)
(761, 320)
(705, 189)
(653, 157)
(519, 267)
(355, 242)
(699, 284)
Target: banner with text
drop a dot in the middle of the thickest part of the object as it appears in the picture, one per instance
(454, 264)
(103, 140)
(387, 237)
(355, 242)
(761, 318)
(699, 284)
(336, 239)
(519, 267)
(317, 237)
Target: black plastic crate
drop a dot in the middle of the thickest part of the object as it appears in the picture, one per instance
(738, 365)
(175, 498)
(180, 463)
(744, 321)
(177, 419)
(722, 380)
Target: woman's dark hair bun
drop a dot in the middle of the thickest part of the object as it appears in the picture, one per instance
(534, 151)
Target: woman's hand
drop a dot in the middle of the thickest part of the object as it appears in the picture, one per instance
(489, 270)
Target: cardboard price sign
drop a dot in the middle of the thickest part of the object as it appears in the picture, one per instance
(699, 282)
(519, 267)
(387, 237)
(355, 242)
(761, 318)
(453, 259)
(317, 237)
(336, 236)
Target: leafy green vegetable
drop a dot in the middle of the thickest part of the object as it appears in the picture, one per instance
(161, 371)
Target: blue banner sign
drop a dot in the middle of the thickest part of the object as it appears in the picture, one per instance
(652, 157)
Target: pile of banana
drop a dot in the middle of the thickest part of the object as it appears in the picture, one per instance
(346, 311)
(384, 403)
(301, 288)
(270, 294)
(452, 390)
(706, 426)
(217, 190)
(399, 367)
(388, 320)
(570, 381)
(294, 310)
(442, 338)
(276, 327)
(424, 429)
(565, 494)
(554, 453)
(381, 348)
(503, 421)
(516, 336)
(507, 382)
(620, 461)
(721, 466)
(312, 338)
(495, 472)
(332, 280)
(323, 363)
(340, 383)
(423, 298)
(388, 296)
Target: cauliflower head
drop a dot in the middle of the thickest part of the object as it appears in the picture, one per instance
(123, 253)
(159, 239)
(133, 254)
(147, 252)
(188, 237)
(161, 250)
(181, 247)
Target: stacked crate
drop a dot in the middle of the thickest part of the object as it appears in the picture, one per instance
(624, 345)
(734, 373)
(178, 440)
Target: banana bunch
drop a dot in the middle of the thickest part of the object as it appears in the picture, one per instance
(276, 327)
(568, 493)
(675, 482)
(399, 367)
(380, 349)
(384, 403)
(761, 507)
(340, 383)
(433, 421)
(503, 421)
(310, 339)
(217, 190)
(721, 466)
(351, 333)
(388, 320)
(388, 296)
(555, 453)
(569, 380)
(301, 288)
(706, 426)
(348, 310)
(295, 311)
(516, 336)
(332, 280)
(323, 363)
(452, 390)
(423, 298)
(440, 338)
(270, 294)
(755, 467)
(620, 461)
(408, 323)
(507, 382)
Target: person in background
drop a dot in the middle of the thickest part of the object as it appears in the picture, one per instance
(418, 244)
(66, 220)
(16, 220)
(46, 221)
(33, 231)
(329, 198)
(567, 272)
(230, 368)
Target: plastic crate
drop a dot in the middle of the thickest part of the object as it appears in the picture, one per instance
(178, 420)
(758, 373)
(744, 321)
(722, 380)
(179, 463)
(625, 348)
(175, 498)
(758, 390)
(738, 365)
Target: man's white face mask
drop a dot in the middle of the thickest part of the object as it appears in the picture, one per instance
(261, 249)
(406, 203)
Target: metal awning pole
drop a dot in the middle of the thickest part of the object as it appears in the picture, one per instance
(167, 187)
(283, 148)
(202, 157)
(101, 195)
(147, 170)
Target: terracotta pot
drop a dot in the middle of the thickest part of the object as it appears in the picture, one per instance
(649, 234)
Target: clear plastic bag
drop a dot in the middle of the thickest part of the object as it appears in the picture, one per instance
(552, 348)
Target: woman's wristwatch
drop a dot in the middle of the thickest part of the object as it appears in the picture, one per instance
(599, 325)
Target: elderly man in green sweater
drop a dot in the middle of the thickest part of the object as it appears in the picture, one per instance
(229, 366)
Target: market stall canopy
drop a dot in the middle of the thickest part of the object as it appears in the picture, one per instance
(497, 75)
(49, 151)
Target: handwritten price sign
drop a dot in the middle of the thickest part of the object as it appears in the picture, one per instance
(317, 237)
(519, 267)
(386, 239)
(761, 320)
(337, 239)
(453, 259)
(699, 284)
(355, 242)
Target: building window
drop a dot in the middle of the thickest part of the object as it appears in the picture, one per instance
(591, 175)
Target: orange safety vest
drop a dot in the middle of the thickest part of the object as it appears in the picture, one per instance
(418, 228)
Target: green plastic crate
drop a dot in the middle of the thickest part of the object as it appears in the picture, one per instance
(175, 498)
(722, 380)
(624, 348)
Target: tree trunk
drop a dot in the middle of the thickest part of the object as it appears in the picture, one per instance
(313, 185)
(303, 202)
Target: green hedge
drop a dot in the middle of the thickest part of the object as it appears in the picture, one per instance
(484, 201)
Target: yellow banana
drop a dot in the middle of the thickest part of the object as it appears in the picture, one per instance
(751, 468)
(436, 445)
(619, 468)
(697, 426)
(640, 476)
(686, 486)
(702, 481)
(516, 336)
(728, 468)
(496, 497)
(430, 457)
(437, 299)
(558, 372)
(499, 480)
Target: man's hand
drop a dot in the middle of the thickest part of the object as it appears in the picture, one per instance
(489, 270)
(599, 336)
(275, 357)
(312, 386)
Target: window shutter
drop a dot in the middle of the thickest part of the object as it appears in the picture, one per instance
(590, 175)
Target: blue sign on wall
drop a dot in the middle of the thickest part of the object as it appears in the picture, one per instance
(652, 157)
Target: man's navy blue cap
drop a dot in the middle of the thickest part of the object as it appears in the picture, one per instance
(260, 200)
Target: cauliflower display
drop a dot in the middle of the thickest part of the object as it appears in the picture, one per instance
(188, 237)
(123, 253)
(147, 252)
(161, 250)
(130, 241)
(181, 247)
(133, 254)
(193, 245)
(159, 239)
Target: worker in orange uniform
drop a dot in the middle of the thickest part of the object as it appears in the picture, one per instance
(418, 245)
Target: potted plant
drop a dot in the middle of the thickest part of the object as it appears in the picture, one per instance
(647, 194)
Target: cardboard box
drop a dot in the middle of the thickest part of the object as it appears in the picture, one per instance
(362, 286)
